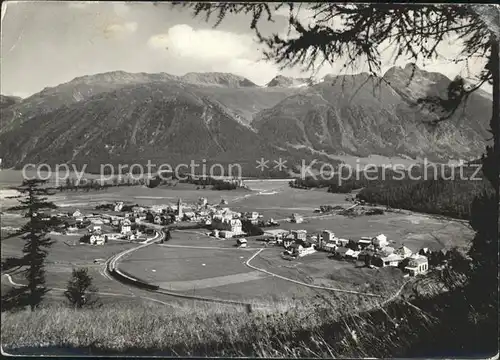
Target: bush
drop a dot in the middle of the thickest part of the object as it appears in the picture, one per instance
(85, 239)
(10, 263)
(251, 229)
(80, 291)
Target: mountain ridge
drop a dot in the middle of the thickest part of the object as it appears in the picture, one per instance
(119, 116)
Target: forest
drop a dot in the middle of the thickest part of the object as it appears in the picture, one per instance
(448, 191)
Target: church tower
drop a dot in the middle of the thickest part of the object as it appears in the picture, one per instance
(179, 209)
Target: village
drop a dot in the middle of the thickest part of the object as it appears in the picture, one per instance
(134, 223)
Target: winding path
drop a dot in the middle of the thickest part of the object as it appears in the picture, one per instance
(247, 263)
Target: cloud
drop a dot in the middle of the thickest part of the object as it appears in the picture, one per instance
(184, 41)
(116, 29)
(214, 50)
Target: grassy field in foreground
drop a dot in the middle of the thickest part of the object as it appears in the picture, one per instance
(311, 329)
(200, 330)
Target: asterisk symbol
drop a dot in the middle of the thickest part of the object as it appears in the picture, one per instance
(280, 164)
(262, 164)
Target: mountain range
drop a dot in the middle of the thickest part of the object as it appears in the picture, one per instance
(119, 117)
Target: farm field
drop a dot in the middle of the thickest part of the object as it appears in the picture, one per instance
(163, 265)
(223, 275)
(62, 258)
(318, 269)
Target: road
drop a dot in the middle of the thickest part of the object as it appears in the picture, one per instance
(247, 263)
(133, 293)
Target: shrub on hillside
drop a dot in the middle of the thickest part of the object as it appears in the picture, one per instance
(80, 290)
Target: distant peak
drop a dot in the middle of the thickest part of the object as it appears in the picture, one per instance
(218, 78)
(285, 81)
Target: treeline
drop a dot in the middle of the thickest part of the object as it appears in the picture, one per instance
(444, 190)
(125, 208)
(216, 184)
(444, 197)
(200, 181)
(345, 182)
(95, 185)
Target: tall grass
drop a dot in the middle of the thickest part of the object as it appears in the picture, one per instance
(319, 328)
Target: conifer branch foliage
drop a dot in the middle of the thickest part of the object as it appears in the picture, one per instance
(33, 202)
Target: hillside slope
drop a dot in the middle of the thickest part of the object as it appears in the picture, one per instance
(6, 101)
(362, 115)
(240, 94)
(164, 122)
(122, 117)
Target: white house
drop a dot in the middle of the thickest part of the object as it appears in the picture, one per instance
(299, 234)
(118, 206)
(242, 243)
(96, 229)
(301, 251)
(236, 226)
(418, 264)
(96, 240)
(380, 241)
(126, 229)
(388, 260)
(77, 213)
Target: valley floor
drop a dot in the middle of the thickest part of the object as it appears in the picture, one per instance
(193, 263)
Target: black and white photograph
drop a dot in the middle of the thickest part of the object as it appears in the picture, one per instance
(250, 179)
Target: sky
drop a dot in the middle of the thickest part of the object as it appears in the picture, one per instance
(44, 44)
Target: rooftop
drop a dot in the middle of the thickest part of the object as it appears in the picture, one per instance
(275, 232)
